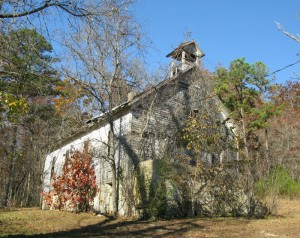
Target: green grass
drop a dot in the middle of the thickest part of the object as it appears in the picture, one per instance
(280, 183)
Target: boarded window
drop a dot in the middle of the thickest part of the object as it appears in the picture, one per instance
(53, 166)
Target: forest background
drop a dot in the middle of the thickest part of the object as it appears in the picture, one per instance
(61, 62)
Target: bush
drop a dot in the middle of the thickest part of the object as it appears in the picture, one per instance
(156, 206)
(76, 187)
(278, 182)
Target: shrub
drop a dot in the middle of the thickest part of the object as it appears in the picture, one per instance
(75, 188)
(278, 182)
(156, 206)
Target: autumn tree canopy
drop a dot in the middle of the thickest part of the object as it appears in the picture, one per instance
(26, 71)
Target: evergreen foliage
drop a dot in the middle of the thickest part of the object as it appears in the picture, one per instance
(241, 89)
(26, 72)
(157, 197)
(244, 90)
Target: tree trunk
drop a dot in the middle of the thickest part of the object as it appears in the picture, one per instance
(244, 134)
(114, 190)
(267, 148)
(11, 157)
(28, 195)
(8, 183)
(266, 143)
(111, 159)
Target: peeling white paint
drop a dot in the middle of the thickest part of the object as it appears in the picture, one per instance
(97, 138)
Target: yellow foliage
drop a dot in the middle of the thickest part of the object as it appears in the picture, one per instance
(12, 105)
(70, 92)
(201, 134)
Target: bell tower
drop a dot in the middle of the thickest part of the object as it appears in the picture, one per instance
(184, 57)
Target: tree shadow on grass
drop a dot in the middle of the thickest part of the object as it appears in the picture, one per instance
(131, 228)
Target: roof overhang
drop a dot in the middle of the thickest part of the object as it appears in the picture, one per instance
(189, 47)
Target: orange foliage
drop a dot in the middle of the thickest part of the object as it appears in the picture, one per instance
(76, 187)
(69, 92)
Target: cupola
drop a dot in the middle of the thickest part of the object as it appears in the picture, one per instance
(184, 57)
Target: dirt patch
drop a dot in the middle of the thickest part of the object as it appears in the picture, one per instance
(39, 223)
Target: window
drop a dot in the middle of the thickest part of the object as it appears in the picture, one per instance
(53, 166)
(194, 112)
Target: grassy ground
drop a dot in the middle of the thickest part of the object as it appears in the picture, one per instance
(36, 223)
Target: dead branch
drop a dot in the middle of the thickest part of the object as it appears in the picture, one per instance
(287, 33)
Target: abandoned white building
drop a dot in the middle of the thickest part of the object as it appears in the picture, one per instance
(146, 127)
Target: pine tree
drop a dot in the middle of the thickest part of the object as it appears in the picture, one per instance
(243, 89)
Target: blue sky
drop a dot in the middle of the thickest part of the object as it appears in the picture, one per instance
(225, 30)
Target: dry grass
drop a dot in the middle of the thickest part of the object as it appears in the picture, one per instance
(28, 221)
(37, 223)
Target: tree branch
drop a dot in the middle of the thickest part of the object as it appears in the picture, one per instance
(287, 33)
(22, 14)
(81, 14)
(47, 5)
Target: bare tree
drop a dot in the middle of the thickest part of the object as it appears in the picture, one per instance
(106, 49)
(103, 40)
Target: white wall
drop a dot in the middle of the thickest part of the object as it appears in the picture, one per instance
(96, 138)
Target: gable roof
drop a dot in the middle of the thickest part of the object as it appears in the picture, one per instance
(190, 47)
(97, 121)
(140, 96)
